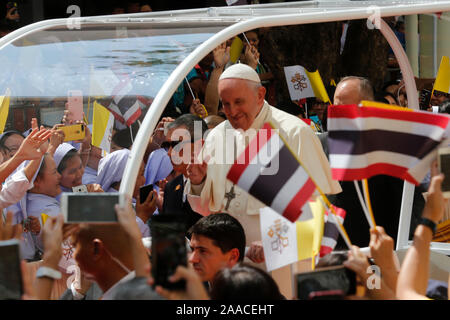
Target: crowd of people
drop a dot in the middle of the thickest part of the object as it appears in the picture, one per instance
(185, 162)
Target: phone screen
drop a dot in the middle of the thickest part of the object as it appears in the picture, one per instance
(330, 279)
(10, 272)
(144, 191)
(91, 207)
(168, 248)
(444, 160)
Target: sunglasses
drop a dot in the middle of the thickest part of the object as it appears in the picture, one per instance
(439, 94)
(172, 144)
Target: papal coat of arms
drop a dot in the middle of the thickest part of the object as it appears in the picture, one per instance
(278, 232)
(299, 81)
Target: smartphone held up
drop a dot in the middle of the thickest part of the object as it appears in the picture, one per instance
(168, 249)
(75, 105)
(73, 132)
(444, 167)
(330, 283)
(96, 207)
(144, 191)
(11, 287)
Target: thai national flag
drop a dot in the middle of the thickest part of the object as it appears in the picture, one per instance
(125, 108)
(285, 189)
(365, 141)
(330, 231)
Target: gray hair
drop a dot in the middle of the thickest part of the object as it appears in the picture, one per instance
(188, 121)
(365, 87)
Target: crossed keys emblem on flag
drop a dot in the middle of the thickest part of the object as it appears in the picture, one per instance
(299, 82)
(277, 232)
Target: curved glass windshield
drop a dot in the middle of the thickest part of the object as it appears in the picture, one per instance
(100, 63)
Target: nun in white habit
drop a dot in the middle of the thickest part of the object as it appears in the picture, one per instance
(60, 153)
(27, 245)
(110, 172)
(69, 165)
(41, 202)
(111, 169)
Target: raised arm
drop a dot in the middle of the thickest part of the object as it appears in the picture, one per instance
(127, 219)
(221, 58)
(382, 250)
(413, 278)
(28, 150)
(52, 239)
(86, 146)
(357, 262)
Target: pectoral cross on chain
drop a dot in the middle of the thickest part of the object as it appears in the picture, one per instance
(230, 195)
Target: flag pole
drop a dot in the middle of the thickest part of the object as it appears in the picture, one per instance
(363, 205)
(243, 33)
(189, 86)
(306, 109)
(131, 134)
(369, 205)
(89, 108)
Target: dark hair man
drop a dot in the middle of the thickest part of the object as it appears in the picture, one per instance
(217, 242)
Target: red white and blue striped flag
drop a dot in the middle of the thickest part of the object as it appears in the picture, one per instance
(287, 189)
(367, 141)
(330, 231)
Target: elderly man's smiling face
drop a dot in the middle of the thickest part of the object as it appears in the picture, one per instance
(242, 100)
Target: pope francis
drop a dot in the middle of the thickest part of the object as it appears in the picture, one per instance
(209, 191)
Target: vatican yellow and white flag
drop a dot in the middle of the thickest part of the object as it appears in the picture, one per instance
(102, 127)
(286, 242)
(304, 84)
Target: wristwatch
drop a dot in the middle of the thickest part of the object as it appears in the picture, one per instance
(430, 224)
(48, 273)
